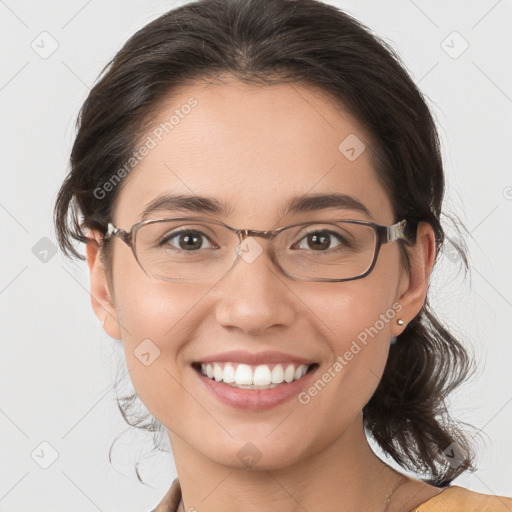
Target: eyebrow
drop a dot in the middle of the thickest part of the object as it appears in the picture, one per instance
(187, 203)
(297, 204)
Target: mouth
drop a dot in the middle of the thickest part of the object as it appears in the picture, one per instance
(255, 377)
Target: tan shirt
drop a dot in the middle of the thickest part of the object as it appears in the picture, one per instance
(452, 499)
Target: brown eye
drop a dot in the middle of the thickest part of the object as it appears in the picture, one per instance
(187, 240)
(323, 240)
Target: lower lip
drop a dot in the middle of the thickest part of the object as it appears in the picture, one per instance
(255, 399)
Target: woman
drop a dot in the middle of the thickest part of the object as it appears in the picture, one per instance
(261, 188)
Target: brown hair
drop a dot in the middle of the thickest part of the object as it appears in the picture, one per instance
(306, 41)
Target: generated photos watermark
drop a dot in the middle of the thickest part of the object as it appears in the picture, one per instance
(143, 150)
(355, 347)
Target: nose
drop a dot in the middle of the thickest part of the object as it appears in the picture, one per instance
(254, 295)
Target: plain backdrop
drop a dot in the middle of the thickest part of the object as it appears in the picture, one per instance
(57, 408)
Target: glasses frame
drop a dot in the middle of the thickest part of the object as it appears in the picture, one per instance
(383, 235)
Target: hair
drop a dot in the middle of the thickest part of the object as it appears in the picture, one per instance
(311, 43)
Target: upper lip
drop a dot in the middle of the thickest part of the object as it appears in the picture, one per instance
(240, 356)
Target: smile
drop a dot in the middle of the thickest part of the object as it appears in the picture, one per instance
(254, 397)
(262, 376)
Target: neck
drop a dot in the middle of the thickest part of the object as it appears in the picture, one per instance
(344, 475)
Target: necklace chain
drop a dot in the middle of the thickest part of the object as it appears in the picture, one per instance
(400, 482)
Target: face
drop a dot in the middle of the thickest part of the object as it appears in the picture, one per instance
(254, 149)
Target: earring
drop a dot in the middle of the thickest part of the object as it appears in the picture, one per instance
(400, 321)
(103, 323)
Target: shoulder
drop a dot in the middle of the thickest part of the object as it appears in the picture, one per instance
(456, 498)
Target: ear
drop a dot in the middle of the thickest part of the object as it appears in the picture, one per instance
(413, 286)
(101, 296)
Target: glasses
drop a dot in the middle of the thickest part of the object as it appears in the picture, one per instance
(199, 250)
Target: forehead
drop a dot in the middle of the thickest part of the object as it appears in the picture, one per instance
(252, 147)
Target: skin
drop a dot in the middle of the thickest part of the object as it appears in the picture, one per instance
(314, 456)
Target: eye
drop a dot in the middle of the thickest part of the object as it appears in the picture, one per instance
(321, 240)
(187, 240)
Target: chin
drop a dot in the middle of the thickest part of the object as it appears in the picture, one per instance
(255, 455)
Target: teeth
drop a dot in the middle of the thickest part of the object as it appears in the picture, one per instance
(228, 375)
(262, 376)
(278, 374)
(243, 375)
(217, 372)
(259, 377)
(289, 373)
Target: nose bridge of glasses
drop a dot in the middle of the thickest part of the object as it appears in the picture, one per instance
(249, 251)
(268, 235)
(245, 233)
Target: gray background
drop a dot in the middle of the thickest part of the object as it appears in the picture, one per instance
(58, 365)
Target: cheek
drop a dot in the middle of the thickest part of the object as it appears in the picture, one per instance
(355, 318)
(359, 326)
(359, 310)
(151, 308)
(156, 319)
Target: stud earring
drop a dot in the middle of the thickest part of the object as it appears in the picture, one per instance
(103, 323)
(400, 321)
